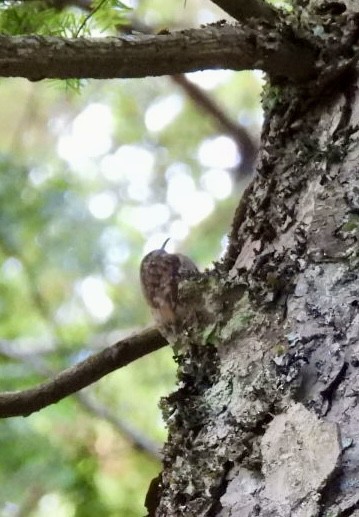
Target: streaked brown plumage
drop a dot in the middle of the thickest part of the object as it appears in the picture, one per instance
(160, 274)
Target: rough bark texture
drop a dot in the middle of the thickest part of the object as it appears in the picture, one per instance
(214, 46)
(265, 421)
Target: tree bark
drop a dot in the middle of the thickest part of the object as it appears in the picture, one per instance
(265, 420)
(214, 46)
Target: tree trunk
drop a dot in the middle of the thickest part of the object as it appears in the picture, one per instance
(265, 419)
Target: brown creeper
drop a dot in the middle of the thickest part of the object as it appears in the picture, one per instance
(160, 274)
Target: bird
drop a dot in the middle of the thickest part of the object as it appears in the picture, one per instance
(160, 275)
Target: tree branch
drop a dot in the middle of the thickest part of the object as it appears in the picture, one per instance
(73, 379)
(211, 47)
(240, 135)
(135, 437)
(242, 10)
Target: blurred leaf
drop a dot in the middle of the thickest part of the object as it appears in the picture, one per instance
(76, 211)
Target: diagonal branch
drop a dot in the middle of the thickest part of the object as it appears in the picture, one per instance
(242, 10)
(73, 379)
(137, 439)
(211, 47)
(134, 436)
(247, 147)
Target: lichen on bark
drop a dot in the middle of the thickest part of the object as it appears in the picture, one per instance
(280, 349)
(283, 328)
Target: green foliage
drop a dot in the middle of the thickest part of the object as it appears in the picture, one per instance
(38, 17)
(86, 185)
(107, 15)
(35, 17)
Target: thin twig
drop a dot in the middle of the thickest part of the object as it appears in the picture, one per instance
(73, 379)
(134, 436)
(247, 147)
(130, 433)
(137, 439)
(90, 14)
